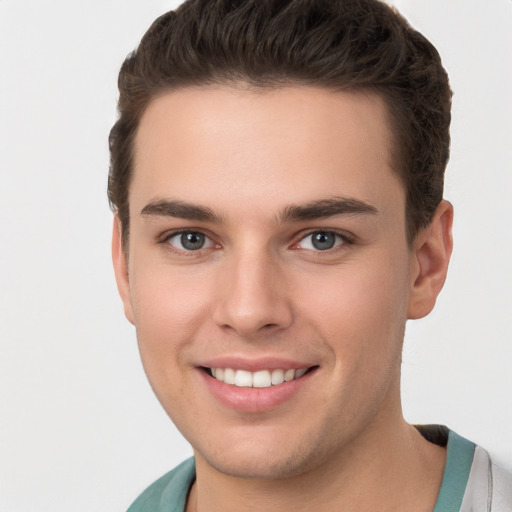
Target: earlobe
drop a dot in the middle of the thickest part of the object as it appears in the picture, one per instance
(120, 262)
(432, 249)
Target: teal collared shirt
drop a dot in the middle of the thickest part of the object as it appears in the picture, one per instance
(169, 493)
(468, 481)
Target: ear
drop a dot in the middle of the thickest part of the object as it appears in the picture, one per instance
(432, 249)
(121, 268)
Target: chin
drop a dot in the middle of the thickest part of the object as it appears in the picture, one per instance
(262, 469)
(266, 461)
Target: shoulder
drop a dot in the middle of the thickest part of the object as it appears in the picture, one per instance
(489, 486)
(169, 492)
(472, 482)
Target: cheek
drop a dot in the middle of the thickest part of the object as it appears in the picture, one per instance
(167, 315)
(168, 311)
(163, 298)
(361, 313)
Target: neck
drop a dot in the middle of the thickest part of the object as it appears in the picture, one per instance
(387, 467)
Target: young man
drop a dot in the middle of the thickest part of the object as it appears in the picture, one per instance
(277, 176)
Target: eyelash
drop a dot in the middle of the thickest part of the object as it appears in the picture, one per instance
(183, 252)
(346, 239)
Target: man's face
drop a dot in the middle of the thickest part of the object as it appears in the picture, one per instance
(267, 234)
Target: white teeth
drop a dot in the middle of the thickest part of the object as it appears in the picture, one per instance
(243, 379)
(259, 379)
(300, 372)
(277, 377)
(229, 376)
(289, 375)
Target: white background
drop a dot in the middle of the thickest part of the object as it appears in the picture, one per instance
(80, 429)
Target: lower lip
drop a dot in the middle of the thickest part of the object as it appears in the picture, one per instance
(248, 399)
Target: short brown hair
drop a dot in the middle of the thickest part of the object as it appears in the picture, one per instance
(337, 44)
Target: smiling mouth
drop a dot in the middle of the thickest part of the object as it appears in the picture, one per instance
(258, 379)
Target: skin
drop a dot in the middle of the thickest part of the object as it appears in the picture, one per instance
(259, 289)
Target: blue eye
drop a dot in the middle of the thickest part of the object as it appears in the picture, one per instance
(189, 241)
(321, 241)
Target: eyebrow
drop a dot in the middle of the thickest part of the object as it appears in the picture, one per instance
(181, 210)
(324, 208)
(319, 209)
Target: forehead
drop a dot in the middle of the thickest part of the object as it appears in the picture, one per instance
(280, 146)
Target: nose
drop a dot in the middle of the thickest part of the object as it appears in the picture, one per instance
(252, 297)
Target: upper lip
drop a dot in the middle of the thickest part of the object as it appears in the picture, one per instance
(255, 364)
